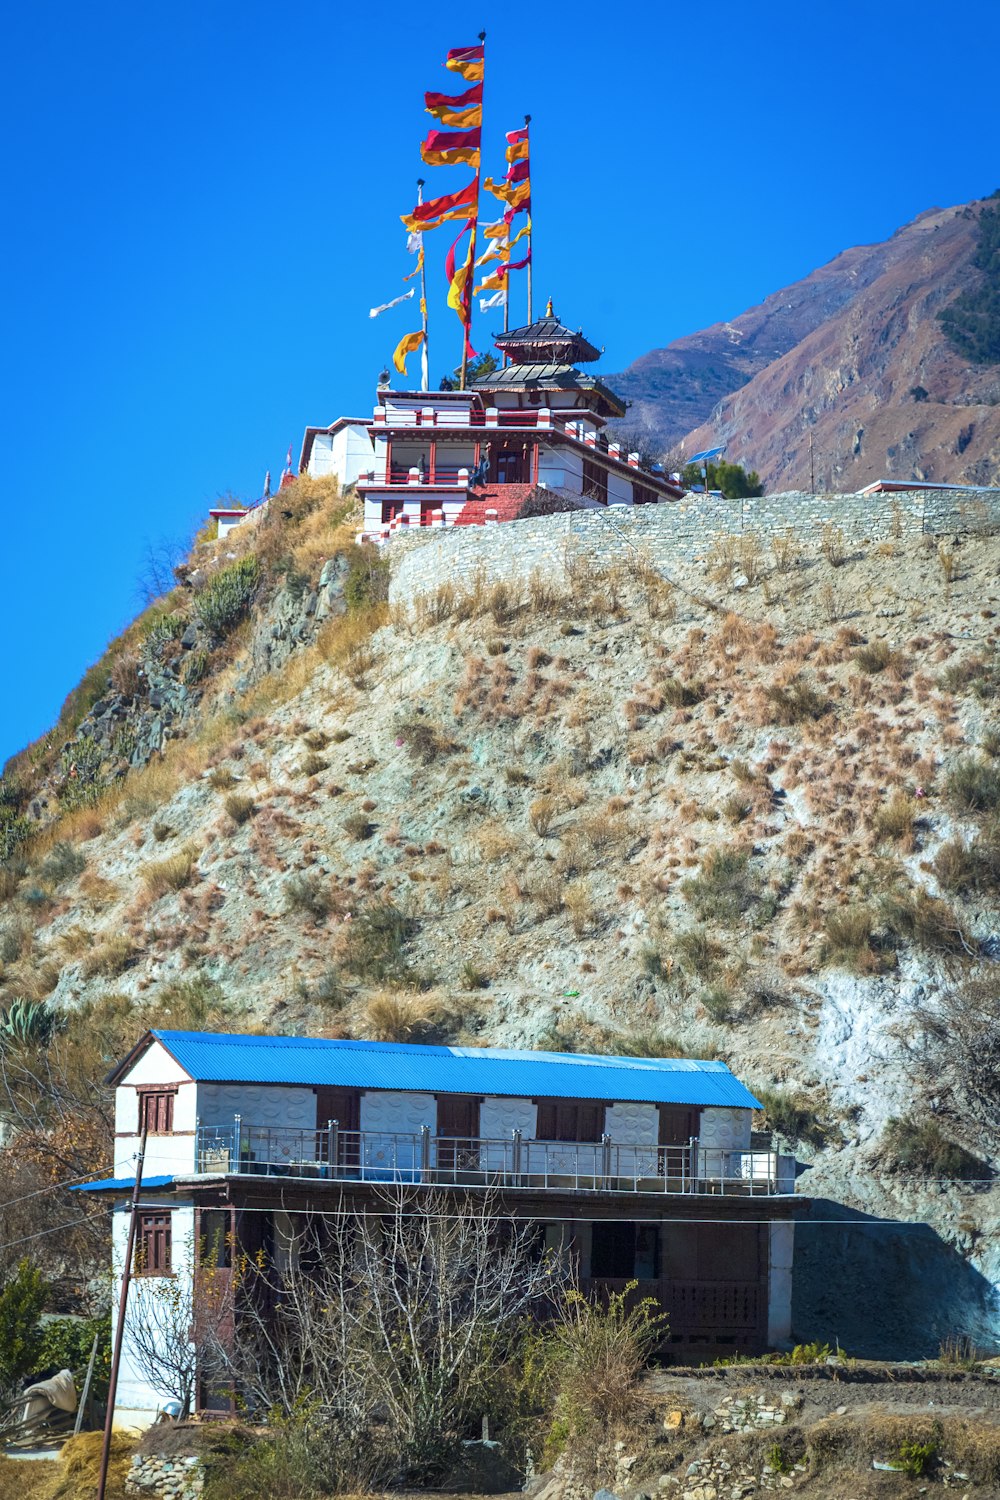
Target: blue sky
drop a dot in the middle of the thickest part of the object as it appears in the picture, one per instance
(201, 205)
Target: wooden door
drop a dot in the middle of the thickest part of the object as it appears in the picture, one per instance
(510, 466)
(344, 1106)
(457, 1129)
(679, 1124)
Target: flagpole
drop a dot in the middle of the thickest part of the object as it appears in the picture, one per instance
(425, 362)
(527, 129)
(467, 326)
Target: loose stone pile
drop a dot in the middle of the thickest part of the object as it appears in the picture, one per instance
(177, 1478)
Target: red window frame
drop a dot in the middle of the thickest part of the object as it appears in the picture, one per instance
(156, 1110)
(154, 1243)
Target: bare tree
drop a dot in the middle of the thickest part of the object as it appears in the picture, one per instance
(396, 1321)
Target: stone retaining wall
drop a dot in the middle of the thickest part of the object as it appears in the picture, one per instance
(178, 1478)
(679, 531)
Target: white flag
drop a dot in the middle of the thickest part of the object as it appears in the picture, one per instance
(497, 300)
(414, 243)
(374, 311)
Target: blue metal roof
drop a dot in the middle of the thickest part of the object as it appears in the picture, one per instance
(121, 1184)
(215, 1057)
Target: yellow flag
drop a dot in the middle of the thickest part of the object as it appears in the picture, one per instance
(466, 119)
(406, 345)
(517, 152)
(490, 284)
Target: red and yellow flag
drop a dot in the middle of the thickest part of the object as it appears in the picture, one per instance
(464, 110)
(468, 61)
(517, 145)
(449, 206)
(518, 195)
(447, 148)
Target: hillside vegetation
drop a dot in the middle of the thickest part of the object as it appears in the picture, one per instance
(752, 813)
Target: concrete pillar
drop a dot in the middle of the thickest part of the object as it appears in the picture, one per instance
(781, 1249)
(633, 460)
(463, 479)
(544, 418)
(413, 477)
(492, 416)
(427, 416)
(614, 450)
(437, 517)
(491, 518)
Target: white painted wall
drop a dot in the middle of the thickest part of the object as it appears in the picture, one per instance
(257, 1104)
(138, 1400)
(725, 1129)
(387, 1114)
(166, 1155)
(562, 466)
(498, 1119)
(781, 1247)
(619, 488)
(632, 1124)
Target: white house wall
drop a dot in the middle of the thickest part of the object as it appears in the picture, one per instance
(725, 1129)
(387, 1114)
(633, 1124)
(138, 1401)
(561, 468)
(166, 1155)
(257, 1104)
(498, 1119)
(619, 489)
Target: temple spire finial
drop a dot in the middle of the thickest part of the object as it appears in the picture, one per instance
(548, 309)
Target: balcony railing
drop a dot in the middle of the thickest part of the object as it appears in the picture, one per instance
(514, 1162)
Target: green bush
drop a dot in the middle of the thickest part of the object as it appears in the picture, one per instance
(64, 862)
(920, 1146)
(22, 1299)
(26, 1023)
(698, 952)
(367, 580)
(14, 831)
(227, 596)
(67, 1343)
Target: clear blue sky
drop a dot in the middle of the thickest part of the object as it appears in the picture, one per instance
(201, 204)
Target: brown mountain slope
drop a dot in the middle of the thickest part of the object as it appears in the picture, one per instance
(836, 356)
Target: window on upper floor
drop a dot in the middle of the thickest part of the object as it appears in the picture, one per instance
(153, 1247)
(156, 1111)
(569, 1120)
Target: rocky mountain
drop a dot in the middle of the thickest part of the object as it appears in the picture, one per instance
(746, 813)
(833, 362)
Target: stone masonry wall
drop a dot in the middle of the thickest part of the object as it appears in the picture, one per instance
(670, 533)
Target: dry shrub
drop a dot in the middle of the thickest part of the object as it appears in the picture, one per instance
(878, 656)
(547, 894)
(962, 868)
(848, 934)
(359, 827)
(973, 786)
(395, 1016)
(796, 702)
(496, 841)
(110, 958)
(170, 874)
(312, 765)
(916, 917)
(221, 778)
(126, 678)
(787, 551)
(239, 808)
(833, 546)
(541, 814)
(896, 819)
(437, 606)
(578, 901)
(969, 1445)
(736, 807)
(698, 953)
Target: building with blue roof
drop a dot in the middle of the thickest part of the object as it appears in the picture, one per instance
(648, 1168)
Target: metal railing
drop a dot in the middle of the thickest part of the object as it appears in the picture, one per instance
(513, 1162)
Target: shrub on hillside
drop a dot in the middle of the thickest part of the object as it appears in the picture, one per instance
(64, 862)
(915, 917)
(972, 321)
(377, 945)
(973, 785)
(239, 808)
(919, 1145)
(847, 939)
(796, 702)
(309, 893)
(961, 868)
(367, 580)
(426, 742)
(698, 952)
(726, 887)
(789, 1115)
(227, 596)
(547, 503)
(170, 874)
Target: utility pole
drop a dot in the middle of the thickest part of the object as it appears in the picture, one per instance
(812, 468)
(116, 1355)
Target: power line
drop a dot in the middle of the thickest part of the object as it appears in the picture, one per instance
(54, 1229)
(51, 1188)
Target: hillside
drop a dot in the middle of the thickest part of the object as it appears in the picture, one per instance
(835, 357)
(741, 813)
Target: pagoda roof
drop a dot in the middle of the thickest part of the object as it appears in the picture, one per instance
(548, 332)
(562, 377)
